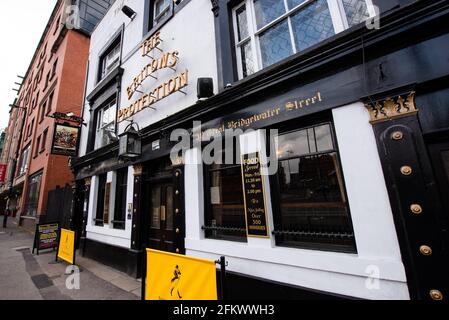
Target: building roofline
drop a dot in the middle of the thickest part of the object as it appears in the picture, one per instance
(41, 41)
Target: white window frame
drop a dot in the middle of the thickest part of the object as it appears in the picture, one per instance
(336, 9)
(163, 13)
(111, 61)
(99, 127)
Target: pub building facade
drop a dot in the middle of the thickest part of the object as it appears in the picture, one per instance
(358, 94)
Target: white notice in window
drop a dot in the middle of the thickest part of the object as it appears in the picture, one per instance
(215, 195)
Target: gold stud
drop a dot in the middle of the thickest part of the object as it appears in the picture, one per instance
(397, 135)
(177, 250)
(177, 230)
(416, 209)
(436, 295)
(177, 192)
(425, 250)
(177, 174)
(406, 170)
(176, 211)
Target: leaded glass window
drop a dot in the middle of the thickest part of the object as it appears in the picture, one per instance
(268, 31)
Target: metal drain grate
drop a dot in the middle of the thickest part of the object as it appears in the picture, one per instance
(42, 281)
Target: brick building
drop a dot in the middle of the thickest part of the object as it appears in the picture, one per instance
(54, 83)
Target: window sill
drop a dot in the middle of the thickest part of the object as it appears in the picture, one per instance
(345, 263)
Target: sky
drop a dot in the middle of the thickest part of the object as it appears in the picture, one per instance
(22, 23)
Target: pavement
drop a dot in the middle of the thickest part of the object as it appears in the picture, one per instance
(24, 276)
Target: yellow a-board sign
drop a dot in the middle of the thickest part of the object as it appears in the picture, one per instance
(66, 248)
(177, 277)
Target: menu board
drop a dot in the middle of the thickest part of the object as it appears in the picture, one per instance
(46, 236)
(254, 197)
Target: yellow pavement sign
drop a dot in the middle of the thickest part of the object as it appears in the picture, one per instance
(66, 249)
(177, 277)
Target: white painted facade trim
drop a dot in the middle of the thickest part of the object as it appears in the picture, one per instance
(107, 234)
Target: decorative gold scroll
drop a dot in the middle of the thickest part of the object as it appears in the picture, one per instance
(392, 108)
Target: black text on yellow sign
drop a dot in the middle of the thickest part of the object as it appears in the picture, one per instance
(177, 277)
(66, 249)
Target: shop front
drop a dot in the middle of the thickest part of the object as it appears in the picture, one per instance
(321, 177)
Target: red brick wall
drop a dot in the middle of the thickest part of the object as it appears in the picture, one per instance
(68, 95)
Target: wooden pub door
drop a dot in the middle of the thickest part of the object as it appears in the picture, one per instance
(162, 195)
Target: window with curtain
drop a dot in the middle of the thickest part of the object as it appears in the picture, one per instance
(313, 207)
(268, 31)
(105, 126)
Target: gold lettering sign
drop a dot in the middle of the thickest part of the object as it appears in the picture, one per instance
(151, 44)
(166, 89)
(167, 60)
(172, 85)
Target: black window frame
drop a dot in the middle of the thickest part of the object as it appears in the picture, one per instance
(149, 27)
(50, 102)
(44, 141)
(208, 210)
(121, 188)
(275, 190)
(101, 193)
(37, 146)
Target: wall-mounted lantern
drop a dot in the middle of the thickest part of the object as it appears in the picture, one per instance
(130, 143)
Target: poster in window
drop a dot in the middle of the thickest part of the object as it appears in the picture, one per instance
(65, 140)
(254, 197)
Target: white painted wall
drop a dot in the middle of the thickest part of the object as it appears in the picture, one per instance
(340, 273)
(190, 31)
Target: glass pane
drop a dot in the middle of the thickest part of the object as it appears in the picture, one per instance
(247, 59)
(324, 138)
(267, 11)
(356, 11)
(275, 44)
(169, 208)
(312, 25)
(311, 137)
(313, 202)
(156, 208)
(293, 3)
(242, 23)
(160, 6)
(226, 200)
(292, 144)
(304, 142)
